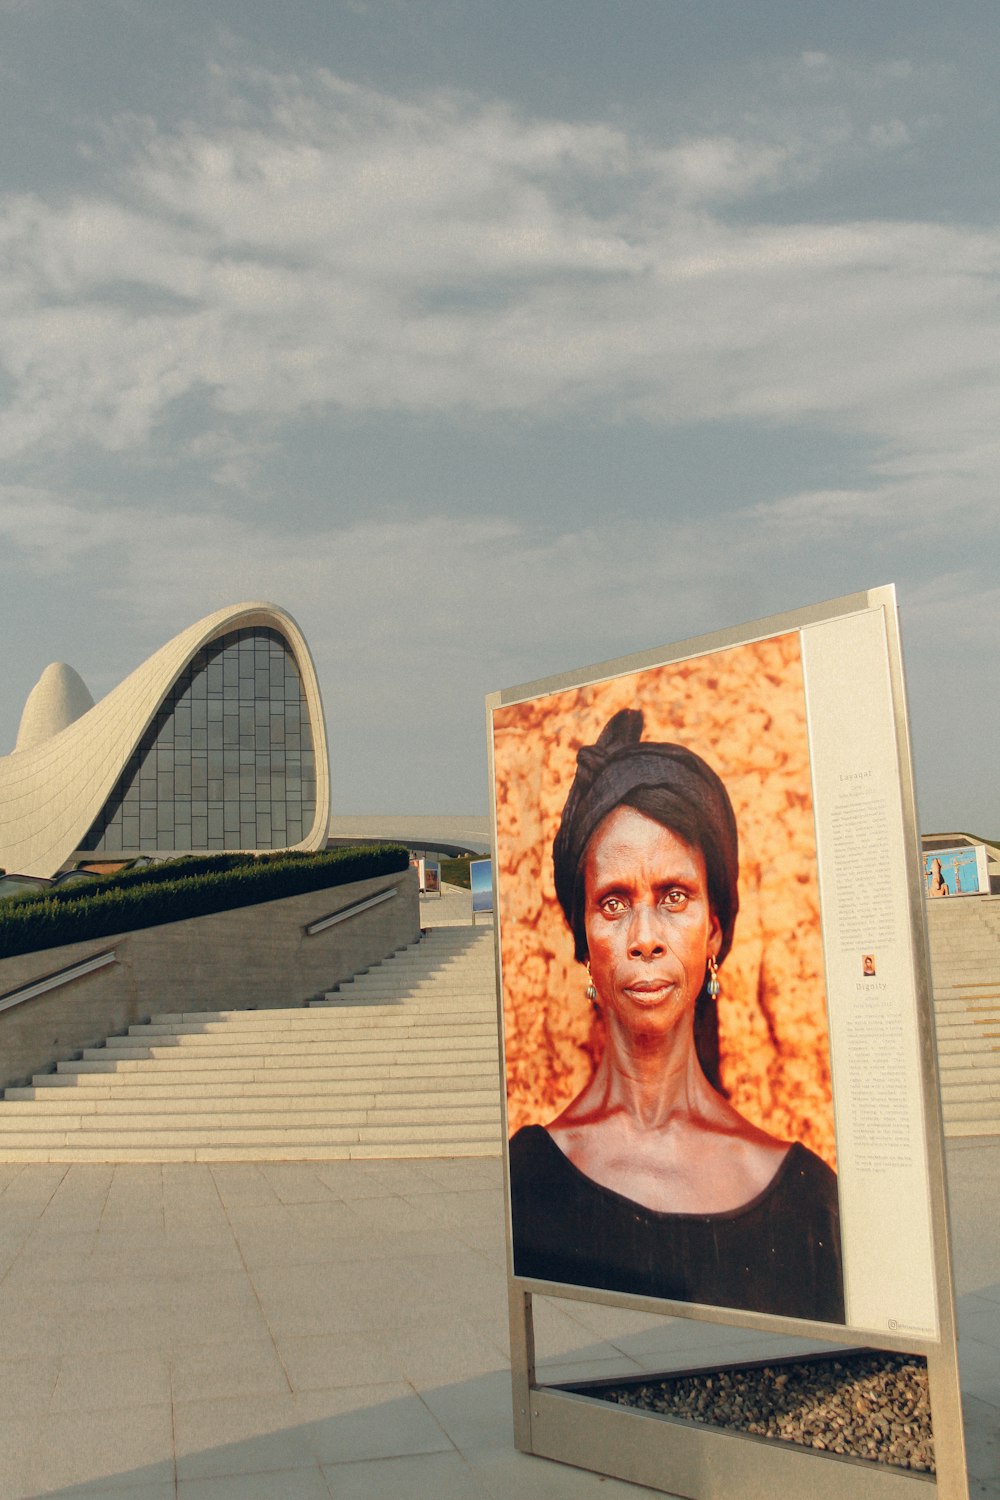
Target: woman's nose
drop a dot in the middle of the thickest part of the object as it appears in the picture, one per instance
(645, 939)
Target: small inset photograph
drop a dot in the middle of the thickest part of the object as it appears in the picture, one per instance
(868, 965)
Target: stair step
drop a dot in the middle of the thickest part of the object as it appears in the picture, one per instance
(223, 1122)
(334, 1038)
(982, 1111)
(328, 1020)
(130, 1086)
(83, 1102)
(967, 1093)
(145, 1154)
(280, 1135)
(350, 1049)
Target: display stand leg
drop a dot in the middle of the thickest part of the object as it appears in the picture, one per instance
(522, 1365)
(946, 1417)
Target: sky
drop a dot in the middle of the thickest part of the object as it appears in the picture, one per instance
(494, 340)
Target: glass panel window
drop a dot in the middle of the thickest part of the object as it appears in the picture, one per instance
(227, 761)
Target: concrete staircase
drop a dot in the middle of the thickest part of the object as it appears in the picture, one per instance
(400, 1061)
(965, 964)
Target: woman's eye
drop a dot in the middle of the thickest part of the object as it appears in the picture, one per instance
(612, 905)
(676, 900)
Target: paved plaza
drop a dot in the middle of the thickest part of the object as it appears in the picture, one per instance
(338, 1329)
(306, 1331)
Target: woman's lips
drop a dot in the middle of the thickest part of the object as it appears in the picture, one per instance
(647, 991)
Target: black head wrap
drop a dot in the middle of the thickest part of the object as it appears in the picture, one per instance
(666, 782)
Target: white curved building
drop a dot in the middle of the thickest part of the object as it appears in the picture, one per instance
(217, 742)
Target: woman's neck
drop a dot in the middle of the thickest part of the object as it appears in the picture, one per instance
(651, 1079)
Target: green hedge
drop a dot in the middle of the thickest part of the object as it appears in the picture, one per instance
(191, 887)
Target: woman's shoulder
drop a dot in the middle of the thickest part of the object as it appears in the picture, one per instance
(806, 1174)
(808, 1163)
(532, 1143)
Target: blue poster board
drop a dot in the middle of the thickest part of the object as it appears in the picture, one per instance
(481, 876)
(957, 872)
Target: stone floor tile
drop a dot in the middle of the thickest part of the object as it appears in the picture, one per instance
(353, 1181)
(92, 1381)
(295, 1182)
(433, 1241)
(423, 1476)
(120, 1489)
(475, 1206)
(27, 1383)
(201, 1320)
(45, 1256)
(85, 1447)
(459, 1273)
(318, 1362)
(243, 1368)
(979, 1366)
(489, 1240)
(242, 1182)
(979, 1318)
(433, 1354)
(35, 1318)
(18, 1441)
(287, 1484)
(158, 1261)
(331, 1217)
(461, 1173)
(279, 1248)
(253, 1215)
(391, 1213)
(239, 1435)
(982, 1439)
(349, 1425)
(475, 1414)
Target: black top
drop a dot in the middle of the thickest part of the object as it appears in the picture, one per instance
(779, 1253)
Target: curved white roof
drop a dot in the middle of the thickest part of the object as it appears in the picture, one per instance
(53, 786)
(58, 697)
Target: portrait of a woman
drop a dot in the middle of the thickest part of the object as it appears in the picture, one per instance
(649, 1181)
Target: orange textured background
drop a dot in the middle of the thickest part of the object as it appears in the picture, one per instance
(743, 710)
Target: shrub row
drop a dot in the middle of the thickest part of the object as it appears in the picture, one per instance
(192, 887)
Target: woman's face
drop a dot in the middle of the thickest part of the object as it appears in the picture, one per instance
(650, 928)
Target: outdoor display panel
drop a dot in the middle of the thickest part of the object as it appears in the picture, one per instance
(795, 1183)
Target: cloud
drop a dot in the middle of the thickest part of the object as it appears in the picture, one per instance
(335, 246)
(393, 607)
(312, 244)
(412, 621)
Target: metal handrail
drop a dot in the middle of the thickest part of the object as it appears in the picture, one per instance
(347, 912)
(53, 981)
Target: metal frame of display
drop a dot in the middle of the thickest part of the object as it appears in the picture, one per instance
(702, 1462)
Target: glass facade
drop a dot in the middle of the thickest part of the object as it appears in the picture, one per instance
(228, 762)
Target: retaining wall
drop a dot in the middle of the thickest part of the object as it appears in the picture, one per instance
(231, 960)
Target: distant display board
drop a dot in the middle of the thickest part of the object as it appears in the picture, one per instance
(428, 875)
(481, 879)
(962, 871)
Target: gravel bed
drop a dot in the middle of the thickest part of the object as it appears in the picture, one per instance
(868, 1405)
